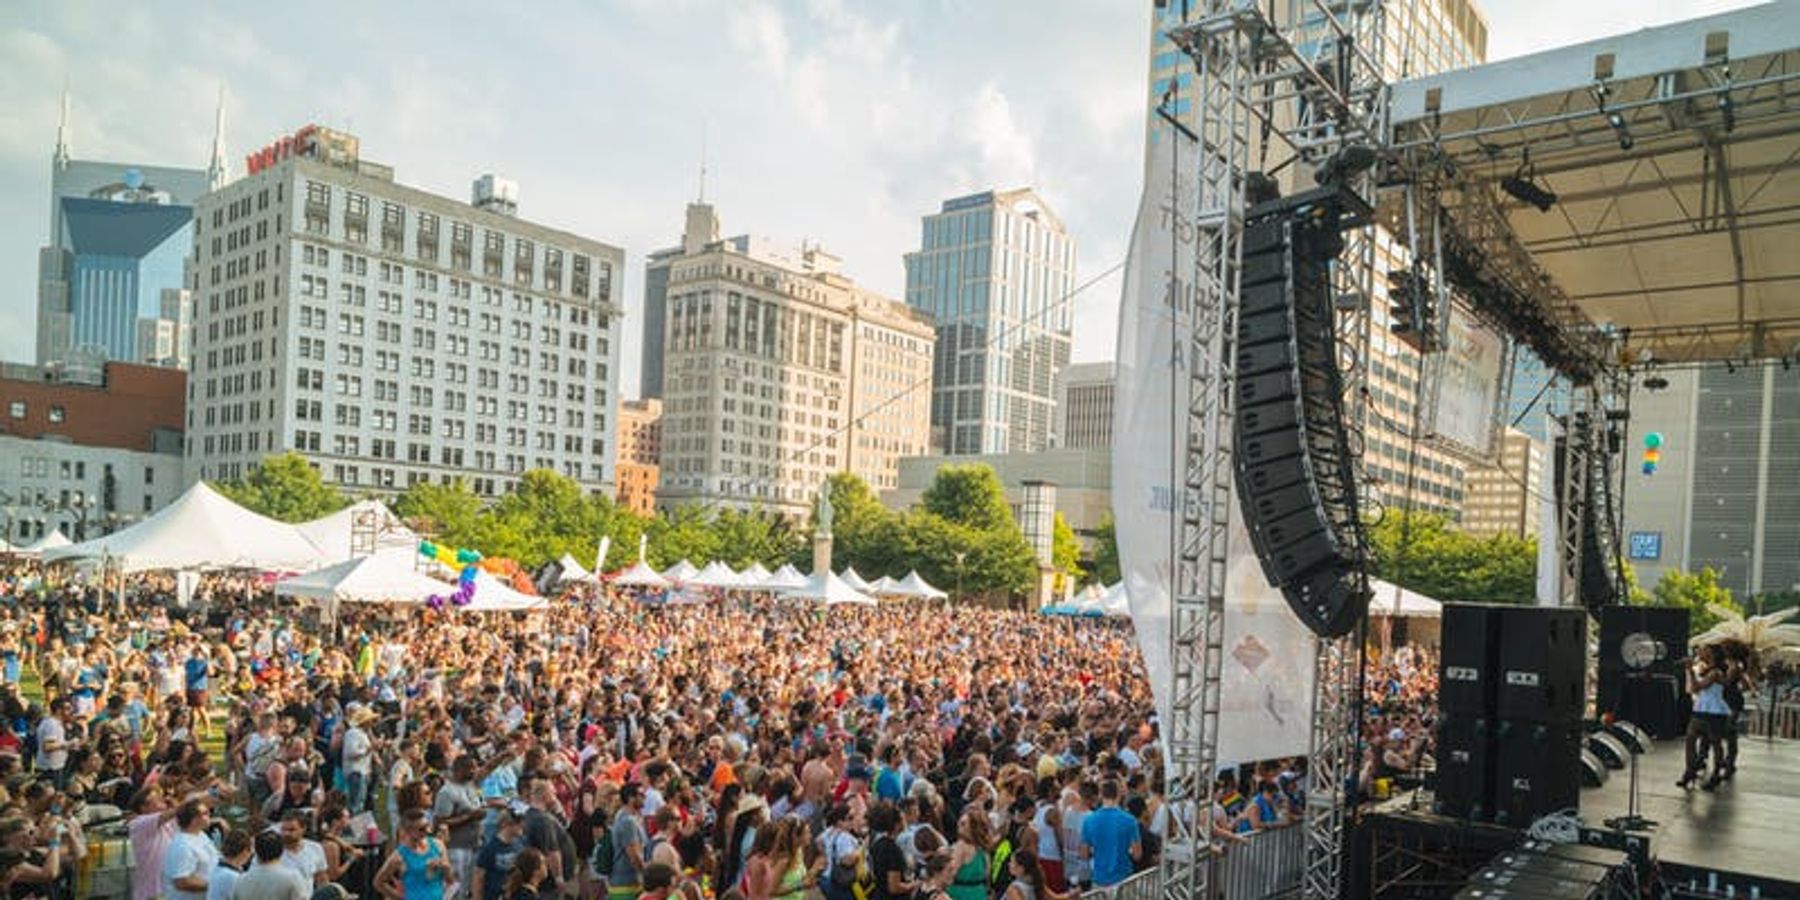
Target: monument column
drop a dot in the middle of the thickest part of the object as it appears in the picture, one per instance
(822, 531)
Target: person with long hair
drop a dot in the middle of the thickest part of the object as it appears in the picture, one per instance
(1706, 727)
(1028, 879)
(1740, 680)
(529, 870)
(974, 841)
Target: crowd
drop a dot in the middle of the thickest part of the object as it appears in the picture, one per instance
(598, 748)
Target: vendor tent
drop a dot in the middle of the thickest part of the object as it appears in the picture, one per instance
(640, 575)
(916, 587)
(830, 590)
(494, 595)
(785, 578)
(680, 572)
(854, 580)
(51, 541)
(754, 576)
(1394, 600)
(201, 529)
(715, 575)
(382, 578)
(572, 570)
(883, 586)
(333, 534)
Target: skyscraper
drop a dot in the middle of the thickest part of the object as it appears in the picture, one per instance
(780, 371)
(394, 336)
(994, 270)
(1421, 36)
(112, 279)
(1084, 405)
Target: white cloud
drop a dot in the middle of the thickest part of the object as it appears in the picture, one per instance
(759, 29)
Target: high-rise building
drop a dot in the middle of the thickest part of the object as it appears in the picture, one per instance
(1725, 493)
(994, 270)
(1422, 36)
(395, 336)
(112, 280)
(1537, 395)
(1505, 498)
(779, 371)
(640, 454)
(1084, 405)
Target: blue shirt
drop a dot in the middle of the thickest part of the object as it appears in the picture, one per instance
(196, 674)
(888, 785)
(1110, 831)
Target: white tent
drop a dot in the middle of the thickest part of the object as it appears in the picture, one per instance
(52, 541)
(7, 547)
(494, 595)
(830, 590)
(332, 533)
(854, 580)
(201, 529)
(1114, 601)
(1393, 600)
(680, 571)
(883, 586)
(640, 575)
(784, 578)
(572, 570)
(382, 578)
(753, 576)
(914, 586)
(715, 575)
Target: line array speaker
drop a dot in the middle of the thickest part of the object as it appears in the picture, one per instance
(1291, 448)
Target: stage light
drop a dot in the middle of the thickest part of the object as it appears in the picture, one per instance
(1522, 185)
(1617, 121)
(1656, 383)
(1730, 367)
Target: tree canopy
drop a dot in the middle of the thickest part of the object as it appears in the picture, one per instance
(1695, 592)
(1422, 553)
(284, 487)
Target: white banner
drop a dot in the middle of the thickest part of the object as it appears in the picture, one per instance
(1469, 374)
(1266, 687)
(185, 584)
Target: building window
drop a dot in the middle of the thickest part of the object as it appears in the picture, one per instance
(57, 414)
(17, 409)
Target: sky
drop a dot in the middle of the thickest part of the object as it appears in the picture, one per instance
(839, 122)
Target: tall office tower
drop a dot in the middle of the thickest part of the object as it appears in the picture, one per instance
(1725, 493)
(640, 454)
(1421, 37)
(395, 336)
(112, 280)
(779, 371)
(1537, 394)
(994, 270)
(1084, 405)
(1504, 498)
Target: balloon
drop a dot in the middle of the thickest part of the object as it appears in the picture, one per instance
(464, 557)
(435, 602)
(427, 548)
(1649, 468)
(1653, 440)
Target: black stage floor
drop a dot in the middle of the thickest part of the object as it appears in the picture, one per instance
(1749, 825)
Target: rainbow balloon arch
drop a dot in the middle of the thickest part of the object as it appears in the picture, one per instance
(468, 564)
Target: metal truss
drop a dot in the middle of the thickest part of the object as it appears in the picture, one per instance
(1253, 74)
(1681, 345)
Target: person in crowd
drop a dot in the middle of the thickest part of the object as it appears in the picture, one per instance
(234, 855)
(1110, 838)
(269, 878)
(1706, 680)
(188, 863)
(419, 867)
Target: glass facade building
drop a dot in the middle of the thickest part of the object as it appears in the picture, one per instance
(118, 261)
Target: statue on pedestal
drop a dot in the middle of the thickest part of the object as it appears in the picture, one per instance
(825, 512)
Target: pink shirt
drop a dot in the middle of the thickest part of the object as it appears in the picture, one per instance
(150, 836)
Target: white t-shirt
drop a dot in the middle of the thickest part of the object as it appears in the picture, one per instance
(357, 757)
(308, 859)
(222, 883)
(188, 854)
(51, 729)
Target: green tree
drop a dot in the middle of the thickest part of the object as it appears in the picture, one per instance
(862, 531)
(1696, 593)
(1106, 552)
(284, 487)
(970, 495)
(753, 536)
(451, 513)
(685, 532)
(1423, 553)
(1065, 550)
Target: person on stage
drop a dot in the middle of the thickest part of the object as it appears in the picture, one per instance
(1706, 727)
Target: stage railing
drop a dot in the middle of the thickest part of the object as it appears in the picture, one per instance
(1266, 865)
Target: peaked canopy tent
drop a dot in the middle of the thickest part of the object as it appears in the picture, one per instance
(715, 575)
(52, 541)
(493, 595)
(334, 534)
(830, 590)
(854, 580)
(883, 586)
(382, 578)
(754, 575)
(785, 578)
(915, 587)
(201, 529)
(1393, 600)
(573, 571)
(680, 572)
(640, 575)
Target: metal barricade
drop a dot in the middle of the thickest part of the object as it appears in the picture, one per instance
(1783, 721)
(1266, 865)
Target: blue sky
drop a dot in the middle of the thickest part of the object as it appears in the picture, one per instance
(837, 121)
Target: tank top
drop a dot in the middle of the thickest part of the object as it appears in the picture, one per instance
(971, 881)
(1049, 843)
(1710, 701)
(418, 882)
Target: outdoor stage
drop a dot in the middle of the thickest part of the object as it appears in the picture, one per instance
(1747, 826)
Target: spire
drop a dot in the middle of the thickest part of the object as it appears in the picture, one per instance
(62, 130)
(702, 198)
(215, 170)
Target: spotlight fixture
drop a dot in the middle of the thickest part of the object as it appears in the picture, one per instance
(1656, 383)
(1730, 367)
(1523, 186)
(1617, 121)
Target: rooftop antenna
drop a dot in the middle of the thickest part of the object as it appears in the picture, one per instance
(702, 161)
(62, 128)
(215, 169)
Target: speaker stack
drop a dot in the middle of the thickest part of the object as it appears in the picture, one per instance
(1291, 448)
(1600, 581)
(1650, 696)
(1510, 691)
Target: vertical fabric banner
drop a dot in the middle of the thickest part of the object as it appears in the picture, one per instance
(1266, 685)
(600, 555)
(185, 584)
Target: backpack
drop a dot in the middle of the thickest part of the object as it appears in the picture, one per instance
(605, 855)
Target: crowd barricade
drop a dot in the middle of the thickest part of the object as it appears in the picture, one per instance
(1268, 864)
(1782, 722)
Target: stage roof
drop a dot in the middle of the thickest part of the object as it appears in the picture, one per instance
(1675, 156)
